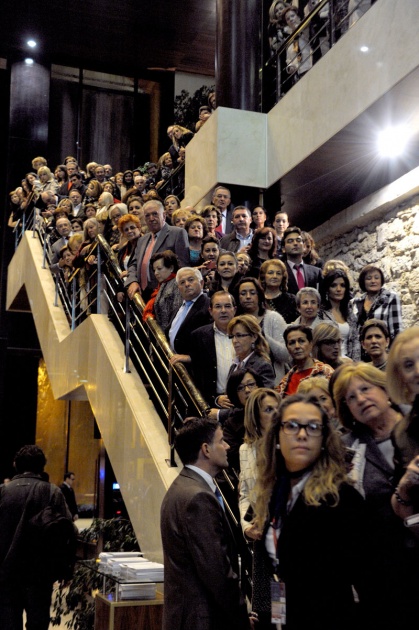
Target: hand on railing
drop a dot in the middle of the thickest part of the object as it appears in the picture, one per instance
(132, 289)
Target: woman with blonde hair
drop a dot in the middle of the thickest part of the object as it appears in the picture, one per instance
(318, 388)
(403, 386)
(261, 409)
(327, 343)
(47, 180)
(313, 523)
(251, 348)
(365, 409)
(273, 277)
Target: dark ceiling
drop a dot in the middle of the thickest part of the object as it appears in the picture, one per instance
(126, 37)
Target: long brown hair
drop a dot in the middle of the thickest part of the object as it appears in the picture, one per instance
(327, 475)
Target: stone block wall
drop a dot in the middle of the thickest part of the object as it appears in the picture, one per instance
(392, 242)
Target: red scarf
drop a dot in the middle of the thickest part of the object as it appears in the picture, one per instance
(149, 307)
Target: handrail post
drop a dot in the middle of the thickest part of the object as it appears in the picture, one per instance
(73, 303)
(98, 284)
(44, 253)
(57, 279)
(127, 333)
(170, 423)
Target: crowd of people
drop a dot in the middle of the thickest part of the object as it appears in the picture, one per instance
(314, 388)
(297, 57)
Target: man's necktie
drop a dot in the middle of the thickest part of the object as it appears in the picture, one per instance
(145, 262)
(219, 497)
(300, 277)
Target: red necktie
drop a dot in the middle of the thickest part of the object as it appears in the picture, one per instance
(145, 261)
(300, 277)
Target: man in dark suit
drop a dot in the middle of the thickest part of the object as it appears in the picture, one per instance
(201, 590)
(211, 350)
(221, 199)
(63, 227)
(300, 275)
(161, 237)
(69, 494)
(192, 314)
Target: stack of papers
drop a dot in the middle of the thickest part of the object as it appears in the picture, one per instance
(143, 571)
(137, 591)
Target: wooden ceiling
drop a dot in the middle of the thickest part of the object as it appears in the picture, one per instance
(127, 37)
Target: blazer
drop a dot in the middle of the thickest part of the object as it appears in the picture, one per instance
(386, 307)
(169, 237)
(262, 368)
(198, 315)
(204, 361)
(201, 583)
(326, 569)
(313, 276)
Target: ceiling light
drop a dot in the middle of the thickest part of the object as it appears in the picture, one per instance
(364, 49)
(31, 43)
(392, 141)
(29, 61)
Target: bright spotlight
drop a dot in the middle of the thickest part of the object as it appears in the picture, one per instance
(392, 141)
(364, 49)
(31, 43)
(29, 61)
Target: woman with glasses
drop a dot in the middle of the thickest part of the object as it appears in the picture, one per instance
(250, 300)
(251, 348)
(327, 345)
(366, 411)
(312, 522)
(240, 384)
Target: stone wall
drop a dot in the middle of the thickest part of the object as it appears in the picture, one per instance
(391, 241)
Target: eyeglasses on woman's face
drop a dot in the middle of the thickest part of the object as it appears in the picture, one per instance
(239, 335)
(312, 429)
(244, 386)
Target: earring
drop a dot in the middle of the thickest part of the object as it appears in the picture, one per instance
(253, 345)
(278, 447)
(327, 295)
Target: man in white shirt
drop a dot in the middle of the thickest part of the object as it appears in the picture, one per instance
(221, 199)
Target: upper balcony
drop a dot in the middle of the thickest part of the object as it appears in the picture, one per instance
(319, 140)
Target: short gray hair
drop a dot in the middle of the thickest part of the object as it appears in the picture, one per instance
(310, 291)
(193, 270)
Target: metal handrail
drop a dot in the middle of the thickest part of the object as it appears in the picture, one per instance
(271, 95)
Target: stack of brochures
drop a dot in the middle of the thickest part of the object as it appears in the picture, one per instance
(137, 591)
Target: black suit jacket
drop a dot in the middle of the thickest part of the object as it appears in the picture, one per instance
(70, 498)
(313, 277)
(204, 361)
(198, 315)
(201, 584)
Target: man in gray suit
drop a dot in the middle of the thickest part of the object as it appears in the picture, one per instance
(201, 584)
(160, 237)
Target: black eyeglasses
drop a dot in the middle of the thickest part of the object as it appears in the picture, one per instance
(312, 429)
(239, 335)
(250, 385)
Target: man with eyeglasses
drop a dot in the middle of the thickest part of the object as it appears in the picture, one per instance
(212, 352)
(299, 342)
(300, 275)
(69, 494)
